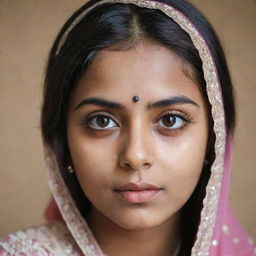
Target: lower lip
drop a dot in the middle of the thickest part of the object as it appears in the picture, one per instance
(139, 196)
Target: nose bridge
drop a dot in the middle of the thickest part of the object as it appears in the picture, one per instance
(136, 148)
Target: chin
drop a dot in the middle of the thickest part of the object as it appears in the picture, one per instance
(133, 226)
(137, 220)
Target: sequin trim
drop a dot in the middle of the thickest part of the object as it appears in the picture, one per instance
(46, 240)
(210, 202)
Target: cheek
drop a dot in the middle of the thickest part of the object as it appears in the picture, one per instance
(183, 159)
(90, 160)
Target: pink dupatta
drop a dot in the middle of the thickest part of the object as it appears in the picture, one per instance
(219, 233)
(229, 237)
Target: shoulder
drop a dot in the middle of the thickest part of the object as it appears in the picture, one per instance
(50, 239)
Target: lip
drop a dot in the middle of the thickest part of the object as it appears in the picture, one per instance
(138, 192)
(137, 187)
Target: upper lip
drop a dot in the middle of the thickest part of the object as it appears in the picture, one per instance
(137, 187)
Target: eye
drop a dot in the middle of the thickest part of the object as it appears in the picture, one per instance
(100, 122)
(173, 121)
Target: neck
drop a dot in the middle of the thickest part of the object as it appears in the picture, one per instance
(161, 240)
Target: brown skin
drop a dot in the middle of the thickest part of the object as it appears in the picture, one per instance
(137, 145)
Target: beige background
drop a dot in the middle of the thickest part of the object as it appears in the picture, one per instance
(27, 30)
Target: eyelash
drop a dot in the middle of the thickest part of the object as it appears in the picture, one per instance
(90, 117)
(177, 114)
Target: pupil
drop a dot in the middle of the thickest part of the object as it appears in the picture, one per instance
(169, 120)
(102, 121)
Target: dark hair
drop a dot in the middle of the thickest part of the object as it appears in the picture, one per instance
(120, 26)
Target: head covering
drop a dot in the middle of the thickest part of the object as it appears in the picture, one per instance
(219, 233)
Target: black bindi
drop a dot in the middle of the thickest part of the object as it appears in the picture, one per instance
(135, 98)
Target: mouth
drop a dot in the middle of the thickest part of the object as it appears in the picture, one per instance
(138, 192)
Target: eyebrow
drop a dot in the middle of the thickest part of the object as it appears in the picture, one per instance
(100, 102)
(176, 100)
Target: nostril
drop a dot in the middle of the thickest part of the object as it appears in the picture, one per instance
(147, 165)
(127, 165)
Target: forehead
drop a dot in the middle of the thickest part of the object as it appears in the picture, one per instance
(149, 70)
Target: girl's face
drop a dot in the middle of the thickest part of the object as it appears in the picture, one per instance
(159, 140)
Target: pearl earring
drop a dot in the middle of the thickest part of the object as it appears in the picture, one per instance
(70, 169)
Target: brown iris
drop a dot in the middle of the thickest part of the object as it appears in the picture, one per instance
(169, 120)
(102, 121)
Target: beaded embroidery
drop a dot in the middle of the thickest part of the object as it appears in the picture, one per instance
(47, 240)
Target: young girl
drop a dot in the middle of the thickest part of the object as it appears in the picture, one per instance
(137, 121)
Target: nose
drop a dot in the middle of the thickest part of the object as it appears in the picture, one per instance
(136, 150)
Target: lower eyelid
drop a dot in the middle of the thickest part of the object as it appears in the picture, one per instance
(173, 132)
